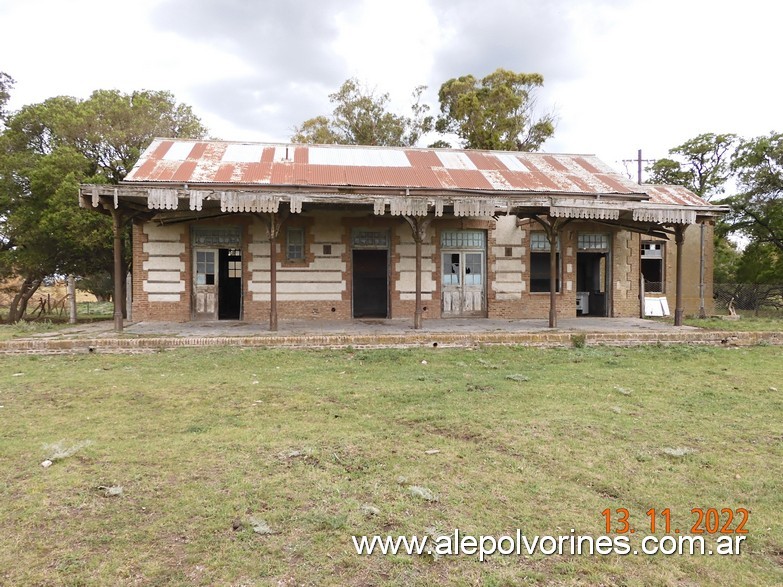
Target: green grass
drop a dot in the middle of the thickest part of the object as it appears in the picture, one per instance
(747, 323)
(204, 443)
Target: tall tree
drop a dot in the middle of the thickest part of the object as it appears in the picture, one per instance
(757, 210)
(6, 83)
(702, 164)
(361, 117)
(495, 112)
(46, 150)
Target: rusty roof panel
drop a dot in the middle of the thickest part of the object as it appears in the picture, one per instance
(484, 162)
(321, 174)
(184, 171)
(160, 149)
(470, 179)
(165, 170)
(444, 178)
(198, 151)
(587, 165)
(674, 195)
(496, 179)
(268, 155)
(553, 161)
(421, 159)
(224, 173)
(425, 177)
(257, 173)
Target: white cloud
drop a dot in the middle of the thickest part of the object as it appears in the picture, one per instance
(622, 74)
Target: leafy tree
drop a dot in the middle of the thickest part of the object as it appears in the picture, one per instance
(726, 254)
(6, 83)
(360, 117)
(495, 112)
(757, 210)
(46, 150)
(702, 164)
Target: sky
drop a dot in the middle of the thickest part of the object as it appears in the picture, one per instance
(620, 75)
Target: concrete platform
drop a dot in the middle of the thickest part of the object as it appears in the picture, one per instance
(398, 326)
(571, 332)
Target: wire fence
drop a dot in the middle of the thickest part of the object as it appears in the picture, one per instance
(760, 299)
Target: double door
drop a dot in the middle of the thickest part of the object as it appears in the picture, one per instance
(463, 283)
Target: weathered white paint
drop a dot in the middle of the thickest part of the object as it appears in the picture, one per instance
(408, 264)
(157, 232)
(164, 276)
(299, 288)
(508, 265)
(164, 264)
(164, 287)
(313, 275)
(506, 232)
(407, 297)
(159, 297)
(513, 278)
(409, 250)
(357, 156)
(163, 248)
(287, 297)
(569, 285)
(407, 282)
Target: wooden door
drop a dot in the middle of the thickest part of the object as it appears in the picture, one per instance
(205, 284)
(462, 283)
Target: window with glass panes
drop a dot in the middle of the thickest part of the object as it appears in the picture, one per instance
(539, 262)
(295, 241)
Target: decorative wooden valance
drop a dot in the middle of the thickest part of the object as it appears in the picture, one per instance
(664, 215)
(584, 212)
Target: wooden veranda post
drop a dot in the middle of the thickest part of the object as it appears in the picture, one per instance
(679, 239)
(419, 227)
(273, 222)
(552, 237)
(552, 228)
(116, 217)
(274, 228)
(71, 299)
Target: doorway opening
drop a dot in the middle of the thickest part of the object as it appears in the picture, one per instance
(229, 284)
(217, 273)
(593, 275)
(370, 283)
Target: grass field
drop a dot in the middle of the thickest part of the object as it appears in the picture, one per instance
(314, 447)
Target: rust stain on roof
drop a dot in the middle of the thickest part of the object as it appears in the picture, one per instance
(184, 172)
(674, 195)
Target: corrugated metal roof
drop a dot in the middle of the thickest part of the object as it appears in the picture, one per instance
(674, 195)
(196, 162)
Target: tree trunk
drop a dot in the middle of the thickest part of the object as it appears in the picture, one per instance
(19, 304)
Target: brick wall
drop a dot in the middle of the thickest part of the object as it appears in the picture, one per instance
(320, 285)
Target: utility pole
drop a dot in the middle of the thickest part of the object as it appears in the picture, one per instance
(639, 162)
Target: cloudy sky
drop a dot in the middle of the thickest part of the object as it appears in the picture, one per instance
(620, 74)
